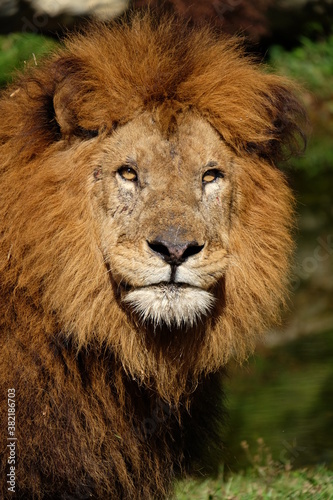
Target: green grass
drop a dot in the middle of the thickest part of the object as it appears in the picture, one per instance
(316, 483)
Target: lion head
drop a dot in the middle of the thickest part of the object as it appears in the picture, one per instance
(141, 207)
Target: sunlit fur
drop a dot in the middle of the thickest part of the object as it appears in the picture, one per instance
(89, 374)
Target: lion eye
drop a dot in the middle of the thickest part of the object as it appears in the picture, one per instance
(128, 173)
(211, 176)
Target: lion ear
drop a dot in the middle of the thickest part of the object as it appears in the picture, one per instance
(289, 123)
(81, 124)
(64, 114)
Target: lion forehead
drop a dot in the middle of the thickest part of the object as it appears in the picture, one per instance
(190, 143)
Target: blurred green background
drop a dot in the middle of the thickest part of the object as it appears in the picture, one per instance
(284, 394)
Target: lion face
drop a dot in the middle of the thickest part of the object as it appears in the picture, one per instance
(164, 206)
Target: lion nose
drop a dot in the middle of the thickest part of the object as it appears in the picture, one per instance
(175, 253)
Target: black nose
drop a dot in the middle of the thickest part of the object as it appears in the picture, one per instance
(175, 253)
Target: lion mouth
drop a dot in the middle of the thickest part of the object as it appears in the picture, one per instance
(172, 304)
(171, 286)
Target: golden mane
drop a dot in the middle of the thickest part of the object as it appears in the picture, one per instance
(55, 288)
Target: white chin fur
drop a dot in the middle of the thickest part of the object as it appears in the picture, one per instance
(171, 305)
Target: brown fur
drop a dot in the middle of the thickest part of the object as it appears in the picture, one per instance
(107, 406)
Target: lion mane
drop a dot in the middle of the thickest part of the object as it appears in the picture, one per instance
(111, 404)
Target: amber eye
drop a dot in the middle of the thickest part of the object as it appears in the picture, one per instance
(211, 175)
(127, 173)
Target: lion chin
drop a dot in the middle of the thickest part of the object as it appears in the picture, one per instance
(171, 304)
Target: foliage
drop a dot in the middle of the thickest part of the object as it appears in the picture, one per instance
(310, 63)
(16, 50)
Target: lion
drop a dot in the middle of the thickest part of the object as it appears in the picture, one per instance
(145, 240)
